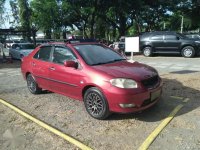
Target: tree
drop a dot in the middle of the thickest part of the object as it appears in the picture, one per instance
(46, 16)
(15, 12)
(194, 13)
(120, 14)
(1, 11)
(25, 16)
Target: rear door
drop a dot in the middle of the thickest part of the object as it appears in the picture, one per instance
(40, 66)
(64, 80)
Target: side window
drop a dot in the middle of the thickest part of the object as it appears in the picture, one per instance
(62, 54)
(44, 53)
(170, 37)
(157, 37)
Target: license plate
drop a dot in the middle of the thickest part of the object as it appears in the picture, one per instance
(155, 95)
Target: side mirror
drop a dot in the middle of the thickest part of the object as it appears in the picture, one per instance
(178, 38)
(71, 63)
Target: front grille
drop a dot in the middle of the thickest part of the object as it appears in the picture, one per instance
(151, 82)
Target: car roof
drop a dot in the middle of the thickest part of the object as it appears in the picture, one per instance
(72, 42)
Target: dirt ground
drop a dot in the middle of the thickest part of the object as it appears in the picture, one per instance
(119, 131)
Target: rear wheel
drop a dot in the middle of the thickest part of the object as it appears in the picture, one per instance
(96, 103)
(188, 52)
(147, 51)
(32, 85)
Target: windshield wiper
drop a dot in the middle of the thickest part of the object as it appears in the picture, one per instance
(115, 60)
(99, 63)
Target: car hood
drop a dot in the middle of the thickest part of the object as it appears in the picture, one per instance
(124, 69)
(25, 52)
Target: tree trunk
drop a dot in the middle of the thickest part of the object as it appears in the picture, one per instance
(138, 27)
(122, 27)
(34, 36)
(64, 34)
(47, 34)
(92, 26)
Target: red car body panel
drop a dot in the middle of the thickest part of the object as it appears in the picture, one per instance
(73, 82)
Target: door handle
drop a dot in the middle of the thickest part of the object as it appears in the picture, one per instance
(52, 68)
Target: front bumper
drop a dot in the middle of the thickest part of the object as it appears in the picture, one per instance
(133, 100)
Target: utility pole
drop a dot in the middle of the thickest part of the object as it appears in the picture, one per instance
(164, 26)
(182, 24)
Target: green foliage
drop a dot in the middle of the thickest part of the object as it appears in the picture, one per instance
(46, 15)
(24, 16)
(107, 19)
(1, 11)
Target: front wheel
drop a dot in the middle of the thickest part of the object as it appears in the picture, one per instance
(32, 85)
(147, 51)
(188, 52)
(96, 103)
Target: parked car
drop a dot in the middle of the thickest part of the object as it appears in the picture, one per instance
(169, 43)
(8, 43)
(19, 50)
(94, 73)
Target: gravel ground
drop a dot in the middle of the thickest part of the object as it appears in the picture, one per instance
(117, 132)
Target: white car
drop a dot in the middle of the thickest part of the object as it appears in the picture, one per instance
(19, 50)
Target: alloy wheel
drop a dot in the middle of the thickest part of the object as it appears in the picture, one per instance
(94, 104)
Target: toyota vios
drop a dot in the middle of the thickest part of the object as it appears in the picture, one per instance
(94, 73)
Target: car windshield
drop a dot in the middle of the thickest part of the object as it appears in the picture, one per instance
(27, 46)
(98, 54)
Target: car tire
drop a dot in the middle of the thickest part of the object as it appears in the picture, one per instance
(32, 85)
(147, 51)
(188, 52)
(96, 104)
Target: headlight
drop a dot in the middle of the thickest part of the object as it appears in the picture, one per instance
(124, 83)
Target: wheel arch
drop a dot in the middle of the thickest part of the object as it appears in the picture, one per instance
(148, 45)
(27, 73)
(187, 45)
(90, 86)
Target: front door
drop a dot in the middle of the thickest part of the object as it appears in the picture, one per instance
(172, 43)
(64, 80)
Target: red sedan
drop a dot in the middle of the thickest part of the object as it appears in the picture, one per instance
(94, 73)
